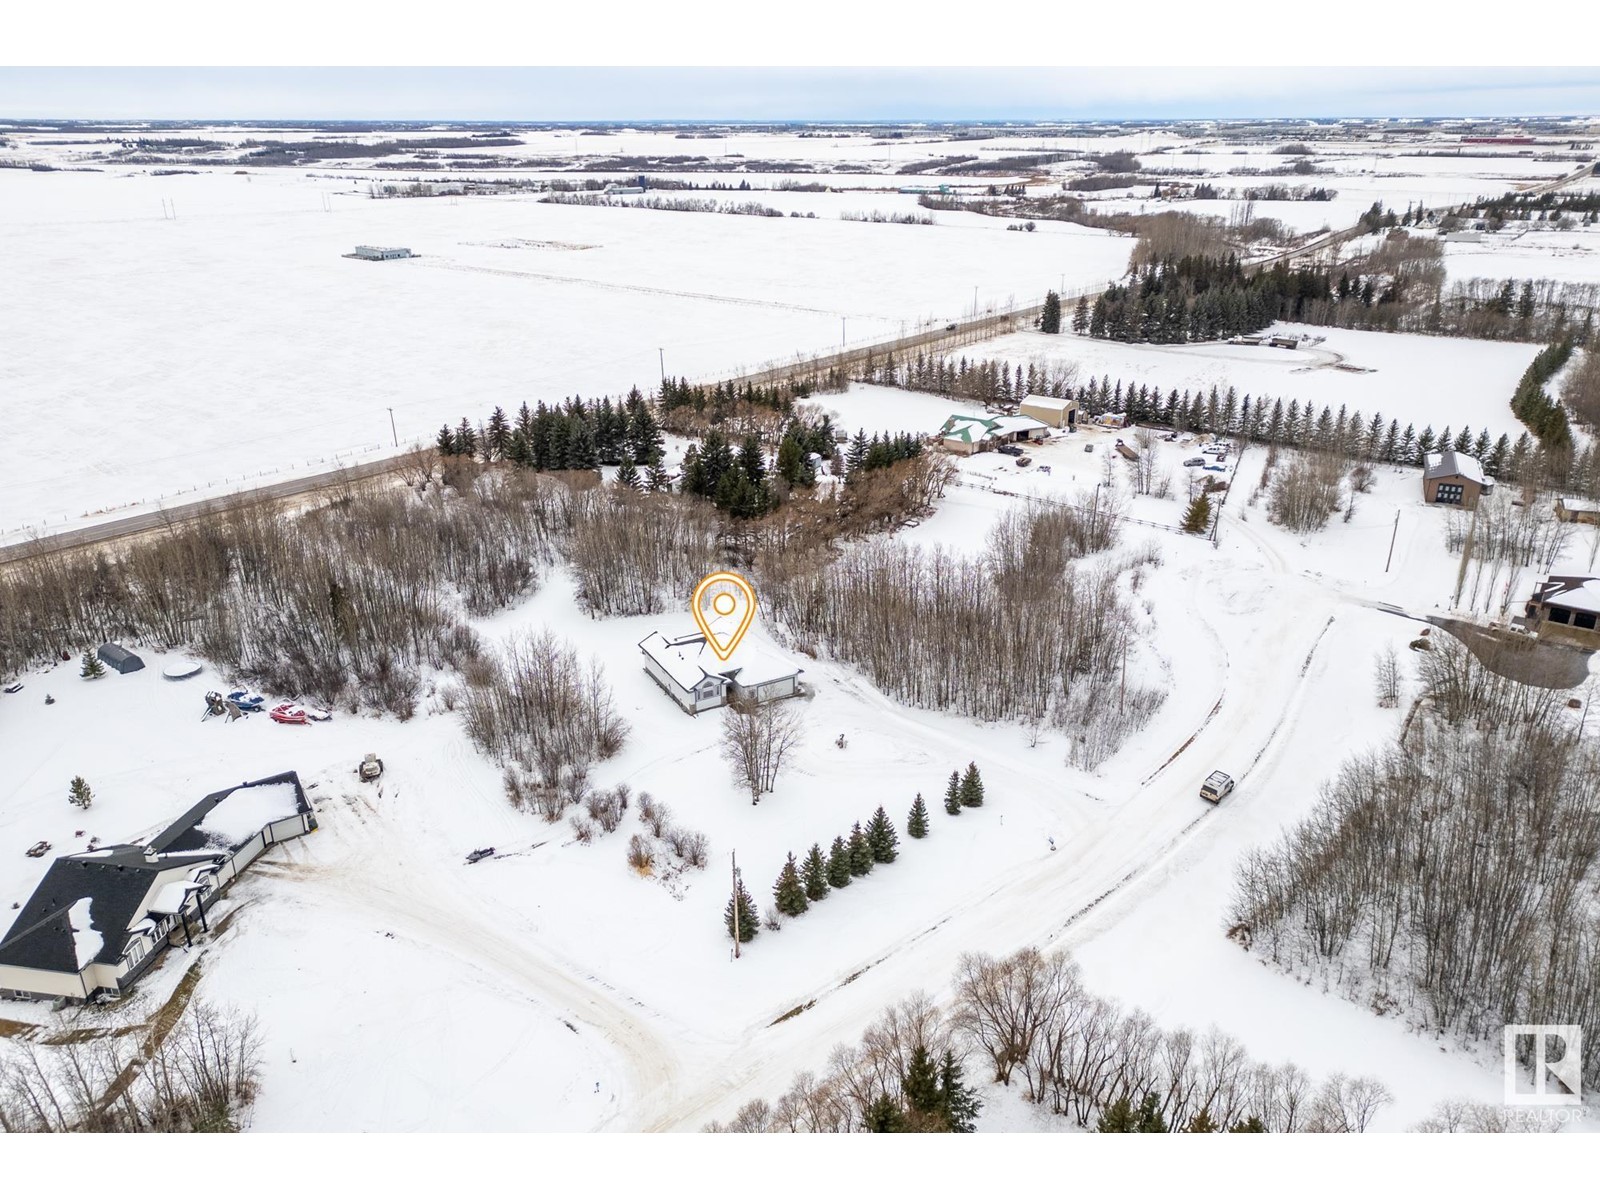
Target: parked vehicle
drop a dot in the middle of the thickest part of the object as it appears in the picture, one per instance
(1216, 448)
(1214, 467)
(1024, 461)
(1014, 451)
(1194, 462)
(950, 328)
(38, 849)
(370, 768)
(1217, 785)
(481, 854)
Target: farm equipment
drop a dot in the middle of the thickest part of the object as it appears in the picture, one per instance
(371, 768)
(1127, 451)
(38, 850)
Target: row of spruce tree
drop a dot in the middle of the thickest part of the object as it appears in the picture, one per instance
(741, 479)
(804, 882)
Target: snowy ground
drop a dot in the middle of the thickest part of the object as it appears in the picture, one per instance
(515, 985)
(236, 342)
(550, 987)
(1411, 378)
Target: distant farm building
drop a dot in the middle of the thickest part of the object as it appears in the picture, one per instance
(100, 918)
(1058, 414)
(966, 434)
(1452, 478)
(120, 659)
(1566, 608)
(689, 671)
(1464, 235)
(1285, 341)
(1583, 512)
(380, 253)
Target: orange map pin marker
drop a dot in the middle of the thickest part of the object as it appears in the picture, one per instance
(723, 605)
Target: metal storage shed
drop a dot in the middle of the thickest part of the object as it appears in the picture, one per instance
(120, 659)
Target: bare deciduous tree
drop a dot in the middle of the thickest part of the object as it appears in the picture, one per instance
(756, 739)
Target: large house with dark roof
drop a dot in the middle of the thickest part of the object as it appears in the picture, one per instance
(99, 919)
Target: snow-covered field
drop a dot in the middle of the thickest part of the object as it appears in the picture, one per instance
(236, 341)
(552, 987)
(1407, 377)
(400, 988)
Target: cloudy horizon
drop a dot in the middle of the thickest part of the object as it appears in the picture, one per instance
(821, 94)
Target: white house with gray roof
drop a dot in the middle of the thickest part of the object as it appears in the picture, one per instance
(689, 671)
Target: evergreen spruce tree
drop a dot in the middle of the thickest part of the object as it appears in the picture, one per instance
(92, 667)
(952, 795)
(839, 864)
(79, 792)
(1118, 1116)
(789, 894)
(644, 435)
(1050, 317)
(881, 836)
(972, 788)
(466, 438)
(1150, 1118)
(628, 474)
(883, 1115)
(749, 923)
(446, 441)
(958, 1101)
(1251, 1124)
(917, 822)
(1201, 1122)
(920, 1085)
(497, 435)
(1080, 316)
(657, 479)
(856, 456)
(860, 851)
(1197, 517)
(814, 873)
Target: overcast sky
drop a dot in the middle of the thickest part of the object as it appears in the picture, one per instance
(792, 93)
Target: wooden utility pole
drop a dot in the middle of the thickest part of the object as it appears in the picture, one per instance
(392, 431)
(1394, 533)
(734, 857)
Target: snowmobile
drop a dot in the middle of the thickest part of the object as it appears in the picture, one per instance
(371, 768)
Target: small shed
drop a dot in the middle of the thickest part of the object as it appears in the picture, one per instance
(1452, 478)
(381, 253)
(119, 658)
(1584, 512)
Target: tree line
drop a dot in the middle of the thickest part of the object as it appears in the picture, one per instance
(1029, 1018)
(1450, 876)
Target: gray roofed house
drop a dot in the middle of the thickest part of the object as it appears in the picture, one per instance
(690, 672)
(119, 658)
(99, 918)
(1449, 477)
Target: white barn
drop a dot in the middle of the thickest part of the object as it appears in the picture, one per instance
(690, 672)
(99, 919)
